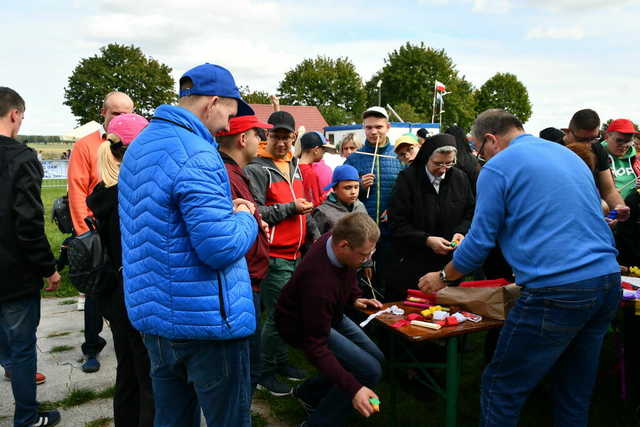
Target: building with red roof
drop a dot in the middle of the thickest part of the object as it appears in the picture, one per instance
(309, 117)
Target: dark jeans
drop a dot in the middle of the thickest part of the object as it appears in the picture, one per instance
(189, 375)
(358, 355)
(384, 258)
(555, 329)
(93, 342)
(19, 320)
(275, 352)
(254, 343)
(133, 398)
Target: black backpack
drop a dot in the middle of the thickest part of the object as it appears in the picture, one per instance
(90, 269)
(61, 215)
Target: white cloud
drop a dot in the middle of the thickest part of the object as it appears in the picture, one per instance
(566, 33)
(480, 6)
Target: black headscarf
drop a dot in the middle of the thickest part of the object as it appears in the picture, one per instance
(430, 145)
(465, 160)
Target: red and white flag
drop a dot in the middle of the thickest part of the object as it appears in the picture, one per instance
(440, 87)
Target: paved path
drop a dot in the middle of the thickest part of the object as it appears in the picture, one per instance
(63, 368)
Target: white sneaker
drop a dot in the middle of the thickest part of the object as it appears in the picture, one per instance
(80, 304)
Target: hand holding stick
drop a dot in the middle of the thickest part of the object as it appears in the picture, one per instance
(373, 162)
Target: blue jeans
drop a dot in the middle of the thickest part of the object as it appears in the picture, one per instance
(5, 355)
(557, 330)
(358, 355)
(188, 375)
(19, 320)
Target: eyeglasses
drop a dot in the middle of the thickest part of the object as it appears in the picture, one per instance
(364, 256)
(277, 137)
(406, 153)
(584, 138)
(624, 142)
(447, 165)
(479, 155)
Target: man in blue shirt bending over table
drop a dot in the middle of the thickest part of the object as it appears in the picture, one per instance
(540, 203)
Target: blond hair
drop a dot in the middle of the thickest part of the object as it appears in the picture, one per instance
(108, 165)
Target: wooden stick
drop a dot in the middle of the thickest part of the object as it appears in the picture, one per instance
(371, 154)
(428, 325)
(373, 162)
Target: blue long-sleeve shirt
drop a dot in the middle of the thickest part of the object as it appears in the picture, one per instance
(540, 203)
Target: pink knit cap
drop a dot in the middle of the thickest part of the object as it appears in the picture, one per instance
(127, 126)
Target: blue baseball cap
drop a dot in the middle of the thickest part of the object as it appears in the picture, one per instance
(214, 80)
(343, 173)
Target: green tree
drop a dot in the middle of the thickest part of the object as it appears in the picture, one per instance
(335, 115)
(254, 97)
(505, 91)
(329, 84)
(122, 68)
(409, 76)
(408, 113)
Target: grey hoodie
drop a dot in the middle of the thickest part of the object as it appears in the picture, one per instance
(331, 210)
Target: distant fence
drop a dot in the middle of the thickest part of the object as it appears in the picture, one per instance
(55, 169)
(55, 173)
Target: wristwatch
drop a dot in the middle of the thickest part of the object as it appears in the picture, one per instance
(443, 277)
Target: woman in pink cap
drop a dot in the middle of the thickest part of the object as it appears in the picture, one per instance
(133, 399)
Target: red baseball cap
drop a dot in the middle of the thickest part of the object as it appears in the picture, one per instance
(242, 123)
(622, 126)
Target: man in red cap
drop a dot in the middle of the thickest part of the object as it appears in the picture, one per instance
(622, 155)
(238, 147)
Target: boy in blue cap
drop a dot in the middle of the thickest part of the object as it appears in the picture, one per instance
(342, 201)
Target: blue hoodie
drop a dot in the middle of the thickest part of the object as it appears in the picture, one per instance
(185, 275)
(539, 201)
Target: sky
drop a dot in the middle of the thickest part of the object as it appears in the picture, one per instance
(570, 54)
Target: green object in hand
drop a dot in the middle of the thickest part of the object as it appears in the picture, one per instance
(374, 401)
(453, 244)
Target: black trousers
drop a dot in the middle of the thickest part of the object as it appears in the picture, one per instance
(133, 400)
(93, 342)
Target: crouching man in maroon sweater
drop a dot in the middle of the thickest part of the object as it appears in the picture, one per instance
(310, 315)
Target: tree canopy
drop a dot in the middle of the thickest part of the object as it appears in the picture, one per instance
(118, 68)
(254, 96)
(332, 85)
(409, 76)
(505, 91)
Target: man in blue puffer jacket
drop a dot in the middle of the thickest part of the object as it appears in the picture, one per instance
(376, 186)
(187, 287)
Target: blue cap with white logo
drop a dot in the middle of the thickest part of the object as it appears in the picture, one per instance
(214, 80)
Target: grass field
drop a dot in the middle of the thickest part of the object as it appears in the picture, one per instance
(49, 194)
(418, 406)
(51, 151)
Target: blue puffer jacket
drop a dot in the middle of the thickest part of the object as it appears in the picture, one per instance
(183, 248)
(386, 171)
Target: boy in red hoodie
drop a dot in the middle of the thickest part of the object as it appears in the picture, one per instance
(313, 145)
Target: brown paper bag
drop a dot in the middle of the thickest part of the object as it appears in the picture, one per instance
(490, 302)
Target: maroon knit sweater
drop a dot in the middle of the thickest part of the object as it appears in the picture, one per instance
(311, 303)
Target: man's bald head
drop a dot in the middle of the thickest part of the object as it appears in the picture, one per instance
(114, 104)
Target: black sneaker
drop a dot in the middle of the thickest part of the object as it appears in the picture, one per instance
(49, 418)
(308, 407)
(273, 386)
(291, 373)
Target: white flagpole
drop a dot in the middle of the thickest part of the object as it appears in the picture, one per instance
(433, 109)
